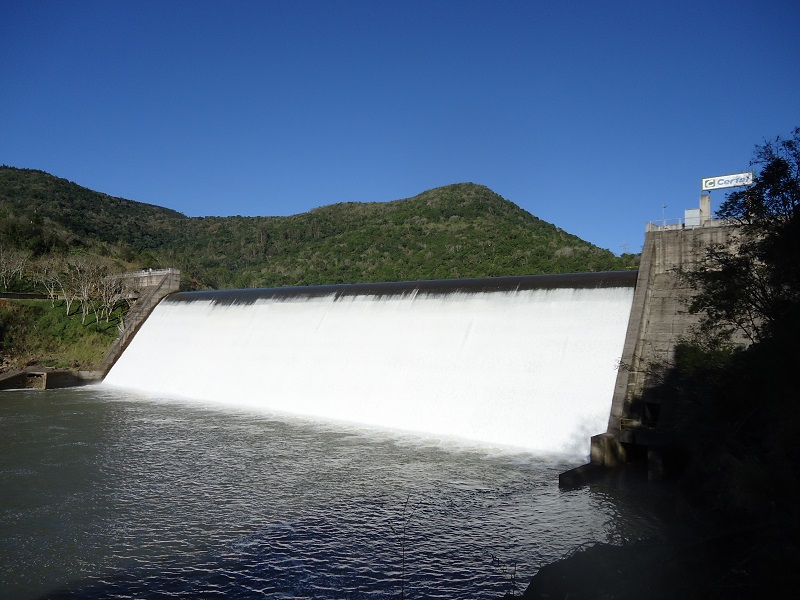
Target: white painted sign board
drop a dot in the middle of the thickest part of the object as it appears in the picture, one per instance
(726, 181)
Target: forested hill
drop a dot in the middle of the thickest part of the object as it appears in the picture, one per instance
(44, 213)
(461, 230)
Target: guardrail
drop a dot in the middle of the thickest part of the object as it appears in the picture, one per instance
(149, 273)
(677, 224)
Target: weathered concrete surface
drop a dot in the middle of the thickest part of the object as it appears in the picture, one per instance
(152, 286)
(659, 315)
(140, 282)
(606, 453)
(40, 378)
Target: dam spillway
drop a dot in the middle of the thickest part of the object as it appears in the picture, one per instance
(519, 361)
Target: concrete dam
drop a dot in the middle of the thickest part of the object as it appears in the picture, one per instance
(537, 362)
(529, 362)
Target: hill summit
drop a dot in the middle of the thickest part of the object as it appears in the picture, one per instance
(459, 230)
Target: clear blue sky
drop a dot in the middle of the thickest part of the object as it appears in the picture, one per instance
(591, 115)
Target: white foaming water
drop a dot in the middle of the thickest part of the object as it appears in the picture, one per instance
(528, 368)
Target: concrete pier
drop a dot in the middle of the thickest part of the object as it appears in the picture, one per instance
(659, 315)
(659, 320)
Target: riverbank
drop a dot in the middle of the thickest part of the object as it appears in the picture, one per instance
(40, 334)
(731, 530)
(756, 560)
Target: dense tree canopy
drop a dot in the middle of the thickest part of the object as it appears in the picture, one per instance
(460, 230)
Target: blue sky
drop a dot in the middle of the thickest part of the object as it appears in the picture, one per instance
(590, 115)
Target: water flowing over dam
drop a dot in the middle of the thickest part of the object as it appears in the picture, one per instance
(520, 361)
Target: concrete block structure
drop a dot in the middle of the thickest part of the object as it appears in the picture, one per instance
(660, 319)
(149, 287)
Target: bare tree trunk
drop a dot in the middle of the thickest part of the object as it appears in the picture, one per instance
(12, 264)
(110, 289)
(85, 273)
(49, 273)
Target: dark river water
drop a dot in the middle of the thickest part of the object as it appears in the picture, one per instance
(107, 494)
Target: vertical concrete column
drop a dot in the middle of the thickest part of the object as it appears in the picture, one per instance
(705, 208)
(606, 451)
(628, 373)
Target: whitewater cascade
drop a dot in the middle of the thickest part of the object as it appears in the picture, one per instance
(520, 361)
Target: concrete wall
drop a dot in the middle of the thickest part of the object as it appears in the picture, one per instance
(152, 286)
(659, 315)
(151, 278)
(45, 379)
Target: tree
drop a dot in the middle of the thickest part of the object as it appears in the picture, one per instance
(12, 264)
(774, 197)
(732, 412)
(110, 289)
(48, 271)
(85, 272)
(754, 289)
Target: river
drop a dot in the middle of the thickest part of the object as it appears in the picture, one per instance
(113, 494)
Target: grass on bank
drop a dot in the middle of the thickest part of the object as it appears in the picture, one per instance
(36, 332)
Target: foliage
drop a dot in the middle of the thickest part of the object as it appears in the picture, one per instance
(88, 299)
(458, 231)
(60, 239)
(733, 409)
(34, 332)
(46, 214)
(774, 197)
(462, 230)
(754, 289)
(12, 267)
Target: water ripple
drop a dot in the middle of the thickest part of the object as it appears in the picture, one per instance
(124, 497)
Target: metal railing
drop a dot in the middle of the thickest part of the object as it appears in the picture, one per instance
(676, 224)
(149, 273)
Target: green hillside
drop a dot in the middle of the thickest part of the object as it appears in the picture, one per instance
(43, 213)
(461, 230)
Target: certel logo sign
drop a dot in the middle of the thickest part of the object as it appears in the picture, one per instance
(726, 181)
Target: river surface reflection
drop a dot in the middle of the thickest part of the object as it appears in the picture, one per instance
(112, 494)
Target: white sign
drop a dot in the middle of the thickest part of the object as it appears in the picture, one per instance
(726, 181)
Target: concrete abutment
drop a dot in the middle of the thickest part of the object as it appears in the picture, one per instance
(149, 287)
(153, 285)
(659, 321)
